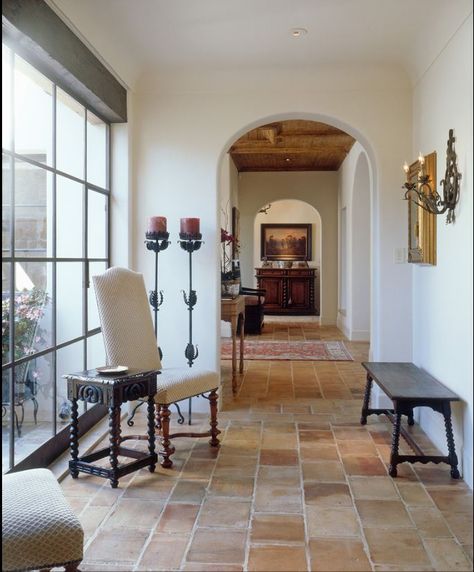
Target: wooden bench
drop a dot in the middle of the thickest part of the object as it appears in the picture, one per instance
(409, 387)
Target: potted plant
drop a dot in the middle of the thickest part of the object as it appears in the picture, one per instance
(230, 271)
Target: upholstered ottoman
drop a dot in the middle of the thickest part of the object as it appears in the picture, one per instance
(39, 529)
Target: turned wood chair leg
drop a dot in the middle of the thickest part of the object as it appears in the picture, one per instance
(167, 448)
(157, 416)
(214, 441)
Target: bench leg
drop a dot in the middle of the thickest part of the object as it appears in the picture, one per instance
(392, 469)
(365, 406)
(453, 459)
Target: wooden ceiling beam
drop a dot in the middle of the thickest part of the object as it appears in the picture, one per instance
(258, 150)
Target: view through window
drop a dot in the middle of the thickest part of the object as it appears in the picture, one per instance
(55, 229)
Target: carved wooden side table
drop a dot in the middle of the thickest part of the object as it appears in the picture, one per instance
(111, 391)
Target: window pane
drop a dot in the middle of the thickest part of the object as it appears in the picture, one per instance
(6, 204)
(95, 352)
(6, 289)
(93, 314)
(96, 150)
(69, 218)
(70, 125)
(33, 210)
(33, 308)
(97, 225)
(69, 288)
(33, 113)
(70, 360)
(7, 109)
(33, 405)
(6, 376)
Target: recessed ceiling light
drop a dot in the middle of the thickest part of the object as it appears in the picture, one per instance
(298, 32)
(287, 159)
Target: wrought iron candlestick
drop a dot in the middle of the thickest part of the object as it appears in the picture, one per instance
(157, 241)
(190, 243)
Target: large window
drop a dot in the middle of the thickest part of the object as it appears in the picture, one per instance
(55, 229)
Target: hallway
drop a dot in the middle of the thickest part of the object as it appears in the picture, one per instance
(297, 484)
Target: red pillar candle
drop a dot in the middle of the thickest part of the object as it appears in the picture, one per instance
(189, 226)
(156, 224)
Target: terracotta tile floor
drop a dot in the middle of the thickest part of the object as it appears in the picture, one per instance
(297, 484)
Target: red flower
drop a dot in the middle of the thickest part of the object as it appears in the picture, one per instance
(228, 238)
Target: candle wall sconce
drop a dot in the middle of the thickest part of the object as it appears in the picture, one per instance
(425, 196)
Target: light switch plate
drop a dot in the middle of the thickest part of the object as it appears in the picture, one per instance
(400, 255)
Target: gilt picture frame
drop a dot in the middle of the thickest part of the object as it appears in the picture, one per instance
(422, 224)
(281, 241)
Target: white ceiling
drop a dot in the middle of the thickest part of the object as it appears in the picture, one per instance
(140, 37)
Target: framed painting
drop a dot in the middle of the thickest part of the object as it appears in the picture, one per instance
(285, 241)
(235, 233)
(422, 224)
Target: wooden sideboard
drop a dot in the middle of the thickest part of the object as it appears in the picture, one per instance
(289, 290)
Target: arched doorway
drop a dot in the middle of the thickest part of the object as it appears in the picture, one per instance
(371, 253)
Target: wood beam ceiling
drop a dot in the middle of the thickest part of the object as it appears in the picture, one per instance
(293, 145)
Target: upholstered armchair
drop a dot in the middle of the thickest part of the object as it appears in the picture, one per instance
(129, 340)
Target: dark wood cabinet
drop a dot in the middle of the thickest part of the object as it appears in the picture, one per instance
(288, 290)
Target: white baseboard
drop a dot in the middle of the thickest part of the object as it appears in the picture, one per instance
(328, 321)
(359, 336)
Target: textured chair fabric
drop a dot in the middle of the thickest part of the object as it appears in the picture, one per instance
(129, 336)
(177, 383)
(39, 528)
(125, 319)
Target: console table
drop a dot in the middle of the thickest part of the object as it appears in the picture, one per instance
(409, 387)
(288, 290)
(233, 309)
(112, 391)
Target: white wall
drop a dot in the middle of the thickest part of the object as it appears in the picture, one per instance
(355, 251)
(180, 139)
(442, 294)
(318, 189)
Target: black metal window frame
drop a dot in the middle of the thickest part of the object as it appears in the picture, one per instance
(58, 441)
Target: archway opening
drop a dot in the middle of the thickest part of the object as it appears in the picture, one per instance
(228, 172)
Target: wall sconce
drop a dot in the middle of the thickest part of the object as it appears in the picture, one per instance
(428, 198)
(265, 209)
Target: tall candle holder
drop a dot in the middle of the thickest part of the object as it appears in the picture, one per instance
(190, 243)
(156, 242)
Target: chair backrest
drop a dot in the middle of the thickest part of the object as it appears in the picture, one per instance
(125, 319)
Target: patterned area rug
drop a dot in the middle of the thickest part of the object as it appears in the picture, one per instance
(278, 350)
